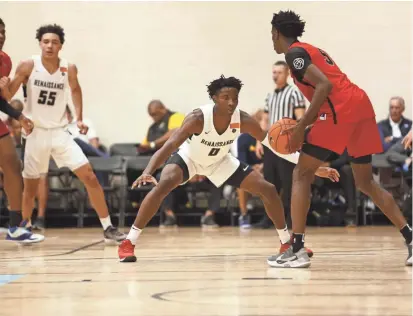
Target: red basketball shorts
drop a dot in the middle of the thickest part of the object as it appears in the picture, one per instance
(361, 138)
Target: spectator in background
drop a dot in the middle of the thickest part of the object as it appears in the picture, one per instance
(396, 126)
(164, 123)
(246, 145)
(284, 101)
(89, 143)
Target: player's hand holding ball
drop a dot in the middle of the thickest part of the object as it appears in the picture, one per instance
(286, 136)
(83, 128)
(26, 123)
(144, 179)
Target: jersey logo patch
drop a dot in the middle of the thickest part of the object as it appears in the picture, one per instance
(298, 63)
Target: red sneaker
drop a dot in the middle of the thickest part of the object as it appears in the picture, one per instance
(284, 247)
(126, 251)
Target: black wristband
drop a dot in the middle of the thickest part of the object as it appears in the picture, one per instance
(5, 107)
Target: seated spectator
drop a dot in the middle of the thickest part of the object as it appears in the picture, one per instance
(246, 153)
(89, 143)
(396, 126)
(164, 123)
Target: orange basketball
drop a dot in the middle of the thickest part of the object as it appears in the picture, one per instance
(5, 64)
(281, 143)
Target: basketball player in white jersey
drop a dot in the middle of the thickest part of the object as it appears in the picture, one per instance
(49, 80)
(206, 136)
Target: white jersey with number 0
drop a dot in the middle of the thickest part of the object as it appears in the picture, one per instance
(47, 95)
(210, 147)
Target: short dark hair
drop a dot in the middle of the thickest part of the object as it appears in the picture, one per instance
(51, 28)
(281, 63)
(231, 82)
(2, 22)
(288, 23)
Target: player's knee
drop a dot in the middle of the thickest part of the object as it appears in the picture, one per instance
(30, 189)
(303, 174)
(90, 180)
(165, 186)
(265, 189)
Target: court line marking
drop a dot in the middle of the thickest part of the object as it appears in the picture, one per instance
(69, 252)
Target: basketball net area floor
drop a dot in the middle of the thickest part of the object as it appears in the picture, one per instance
(190, 271)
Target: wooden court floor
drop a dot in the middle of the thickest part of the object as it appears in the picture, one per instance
(190, 271)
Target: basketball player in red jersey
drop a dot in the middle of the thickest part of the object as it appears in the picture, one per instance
(9, 162)
(341, 116)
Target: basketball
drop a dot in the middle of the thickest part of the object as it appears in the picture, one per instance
(281, 142)
(5, 64)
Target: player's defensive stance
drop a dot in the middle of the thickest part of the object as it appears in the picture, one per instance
(206, 136)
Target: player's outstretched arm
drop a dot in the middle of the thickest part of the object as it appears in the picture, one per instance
(252, 127)
(23, 72)
(193, 124)
(300, 63)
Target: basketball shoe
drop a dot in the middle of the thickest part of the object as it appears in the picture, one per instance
(289, 259)
(23, 235)
(126, 251)
(112, 234)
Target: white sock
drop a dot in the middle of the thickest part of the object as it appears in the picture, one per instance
(134, 234)
(284, 235)
(106, 222)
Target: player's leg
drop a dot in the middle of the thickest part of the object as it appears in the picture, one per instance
(97, 199)
(42, 196)
(174, 173)
(33, 165)
(367, 143)
(237, 174)
(13, 182)
(67, 153)
(323, 139)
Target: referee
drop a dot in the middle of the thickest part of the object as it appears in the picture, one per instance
(284, 101)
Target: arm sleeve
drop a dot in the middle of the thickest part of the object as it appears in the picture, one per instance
(5, 107)
(298, 60)
(175, 121)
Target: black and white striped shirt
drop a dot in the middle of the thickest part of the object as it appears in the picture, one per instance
(282, 103)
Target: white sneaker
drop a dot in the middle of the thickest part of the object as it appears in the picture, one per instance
(23, 235)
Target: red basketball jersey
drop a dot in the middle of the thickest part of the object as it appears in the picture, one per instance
(346, 101)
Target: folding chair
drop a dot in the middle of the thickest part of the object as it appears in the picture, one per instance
(114, 168)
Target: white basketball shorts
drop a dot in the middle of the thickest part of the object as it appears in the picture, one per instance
(42, 144)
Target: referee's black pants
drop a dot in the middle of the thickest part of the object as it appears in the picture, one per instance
(279, 172)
